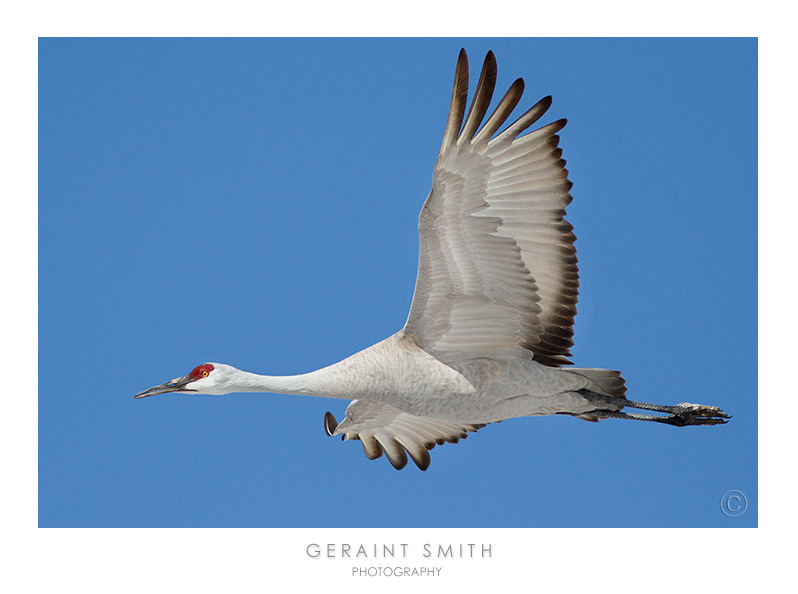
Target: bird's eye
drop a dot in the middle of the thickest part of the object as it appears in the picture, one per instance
(204, 373)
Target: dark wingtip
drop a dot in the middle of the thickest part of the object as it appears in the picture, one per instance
(398, 463)
(330, 423)
(423, 461)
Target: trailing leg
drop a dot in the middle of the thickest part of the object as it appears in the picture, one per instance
(681, 415)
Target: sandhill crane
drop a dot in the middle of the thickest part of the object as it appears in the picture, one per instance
(490, 325)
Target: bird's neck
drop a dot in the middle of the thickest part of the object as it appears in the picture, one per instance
(315, 383)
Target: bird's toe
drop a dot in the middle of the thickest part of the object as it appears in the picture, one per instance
(698, 414)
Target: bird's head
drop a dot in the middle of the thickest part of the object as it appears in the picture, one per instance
(208, 378)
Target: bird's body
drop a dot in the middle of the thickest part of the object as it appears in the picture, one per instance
(491, 322)
(397, 372)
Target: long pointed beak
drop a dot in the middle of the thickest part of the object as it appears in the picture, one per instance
(176, 385)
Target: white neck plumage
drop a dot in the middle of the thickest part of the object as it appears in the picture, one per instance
(229, 379)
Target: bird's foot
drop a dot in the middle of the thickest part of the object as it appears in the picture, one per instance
(685, 414)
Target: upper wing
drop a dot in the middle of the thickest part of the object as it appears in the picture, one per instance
(383, 428)
(497, 273)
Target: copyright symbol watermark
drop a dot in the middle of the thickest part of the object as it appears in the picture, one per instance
(733, 503)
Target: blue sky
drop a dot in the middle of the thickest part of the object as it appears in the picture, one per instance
(255, 202)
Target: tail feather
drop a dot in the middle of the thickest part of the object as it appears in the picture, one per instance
(604, 381)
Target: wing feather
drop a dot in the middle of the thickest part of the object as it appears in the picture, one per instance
(482, 97)
(382, 428)
(502, 111)
(497, 272)
(458, 103)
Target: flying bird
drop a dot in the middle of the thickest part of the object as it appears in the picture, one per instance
(491, 323)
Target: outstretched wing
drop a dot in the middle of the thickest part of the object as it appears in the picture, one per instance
(383, 428)
(497, 274)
